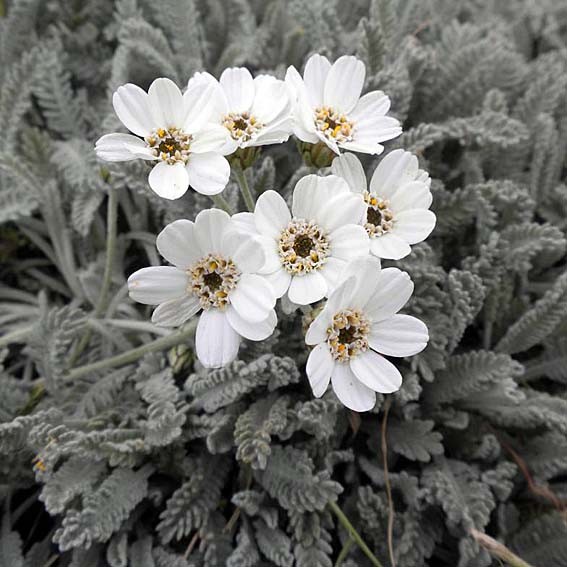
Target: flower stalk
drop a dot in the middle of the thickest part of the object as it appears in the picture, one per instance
(244, 187)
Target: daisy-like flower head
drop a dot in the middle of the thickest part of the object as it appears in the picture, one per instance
(214, 269)
(307, 249)
(359, 321)
(174, 131)
(254, 111)
(397, 201)
(328, 107)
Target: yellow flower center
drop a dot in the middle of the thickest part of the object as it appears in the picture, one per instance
(242, 126)
(334, 125)
(303, 247)
(212, 279)
(171, 145)
(348, 334)
(379, 216)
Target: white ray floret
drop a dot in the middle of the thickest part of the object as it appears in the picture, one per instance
(360, 323)
(397, 200)
(216, 270)
(308, 248)
(329, 108)
(253, 111)
(174, 131)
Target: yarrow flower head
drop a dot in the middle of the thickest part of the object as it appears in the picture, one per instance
(253, 111)
(173, 130)
(359, 321)
(397, 201)
(214, 269)
(328, 107)
(307, 249)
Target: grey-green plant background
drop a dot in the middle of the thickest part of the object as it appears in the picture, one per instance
(124, 465)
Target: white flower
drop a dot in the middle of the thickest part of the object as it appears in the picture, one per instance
(253, 111)
(174, 130)
(307, 249)
(214, 269)
(397, 201)
(360, 320)
(328, 106)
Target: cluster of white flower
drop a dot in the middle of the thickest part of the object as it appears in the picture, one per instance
(327, 248)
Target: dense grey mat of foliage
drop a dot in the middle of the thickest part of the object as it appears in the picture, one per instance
(123, 466)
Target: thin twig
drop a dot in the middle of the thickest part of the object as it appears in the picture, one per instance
(344, 551)
(387, 404)
(51, 561)
(498, 550)
(354, 534)
(191, 545)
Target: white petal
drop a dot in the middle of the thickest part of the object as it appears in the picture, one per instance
(208, 173)
(352, 393)
(271, 214)
(394, 288)
(157, 284)
(169, 181)
(414, 225)
(344, 83)
(253, 298)
(332, 271)
(211, 138)
(346, 208)
(308, 288)
(238, 86)
(365, 272)
(395, 169)
(132, 107)
(349, 241)
(271, 100)
(245, 222)
(314, 76)
(320, 366)
(166, 103)
(399, 335)
(279, 280)
(216, 342)
(245, 250)
(375, 372)
(122, 147)
(252, 331)
(203, 101)
(389, 246)
(412, 195)
(306, 199)
(175, 312)
(348, 167)
(374, 103)
(372, 130)
(210, 226)
(271, 135)
(178, 245)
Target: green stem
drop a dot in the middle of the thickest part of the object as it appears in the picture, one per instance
(15, 336)
(102, 302)
(354, 534)
(222, 203)
(244, 187)
(344, 552)
(134, 354)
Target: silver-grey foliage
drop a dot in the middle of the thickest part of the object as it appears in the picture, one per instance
(156, 462)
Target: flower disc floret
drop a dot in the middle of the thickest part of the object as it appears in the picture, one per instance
(379, 216)
(242, 126)
(348, 334)
(171, 145)
(303, 247)
(334, 125)
(212, 279)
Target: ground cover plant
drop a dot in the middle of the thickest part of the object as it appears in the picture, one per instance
(133, 436)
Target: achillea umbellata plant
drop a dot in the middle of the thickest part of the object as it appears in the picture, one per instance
(304, 166)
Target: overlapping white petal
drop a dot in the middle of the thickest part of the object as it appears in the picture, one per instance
(373, 297)
(175, 130)
(402, 191)
(335, 90)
